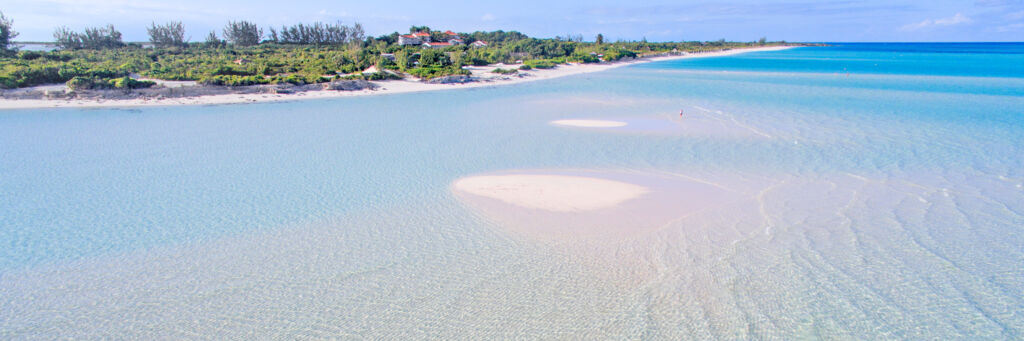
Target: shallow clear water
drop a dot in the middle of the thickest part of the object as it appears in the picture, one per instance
(880, 192)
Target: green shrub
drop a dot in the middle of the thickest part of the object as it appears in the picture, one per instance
(540, 64)
(232, 80)
(501, 71)
(129, 83)
(375, 76)
(90, 83)
(585, 58)
(230, 71)
(476, 61)
(80, 83)
(29, 55)
(617, 54)
(435, 72)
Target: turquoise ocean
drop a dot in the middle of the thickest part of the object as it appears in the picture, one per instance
(879, 195)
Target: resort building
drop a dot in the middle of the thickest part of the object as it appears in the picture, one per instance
(423, 38)
(479, 43)
(414, 38)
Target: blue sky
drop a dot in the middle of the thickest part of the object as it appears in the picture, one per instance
(741, 20)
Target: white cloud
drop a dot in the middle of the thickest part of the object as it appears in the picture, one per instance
(1010, 27)
(954, 20)
(487, 17)
(324, 14)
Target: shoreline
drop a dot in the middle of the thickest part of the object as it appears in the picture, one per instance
(383, 87)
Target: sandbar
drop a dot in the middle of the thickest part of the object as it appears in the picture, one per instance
(572, 204)
(558, 193)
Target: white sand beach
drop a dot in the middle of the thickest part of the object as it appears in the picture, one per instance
(484, 74)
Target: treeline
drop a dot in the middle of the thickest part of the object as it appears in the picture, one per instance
(95, 38)
(318, 34)
(171, 34)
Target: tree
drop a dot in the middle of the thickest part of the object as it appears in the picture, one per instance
(273, 36)
(414, 29)
(171, 34)
(762, 40)
(101, 38)
(402, 59)
(212, 40)
(242, 33)
(438, 36)
(600, 39)
(66, 39)
(356, 34)
(432, 57)
(7, 34)
(319, 34)
(456, 58)
(96, 38)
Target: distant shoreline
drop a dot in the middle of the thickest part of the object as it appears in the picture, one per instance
(483, 77)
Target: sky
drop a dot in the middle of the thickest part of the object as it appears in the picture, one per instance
(680, 20)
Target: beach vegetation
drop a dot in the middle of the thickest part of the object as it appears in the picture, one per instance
(372, 76)
(431, 72)
(213, 42)
(318, 33)
(91, 83)
(94, 38)
(7, 35)
(242, 33)
(541, 63)
(434, 58)
(298, 54)
(171, 34)
(418, 29)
